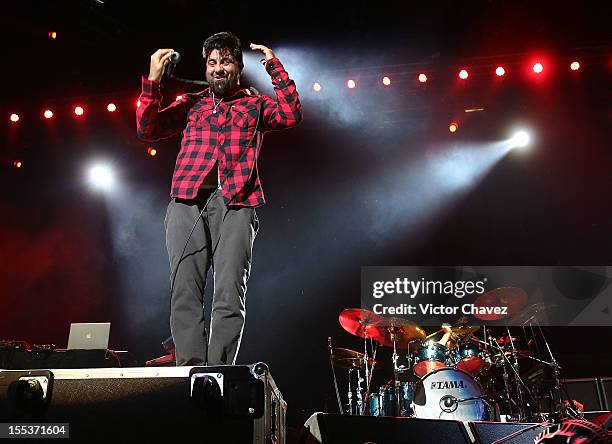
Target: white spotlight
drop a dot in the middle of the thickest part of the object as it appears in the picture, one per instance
(520, 139)
(101, 176)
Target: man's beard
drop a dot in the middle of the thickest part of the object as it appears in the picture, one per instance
(221, 87)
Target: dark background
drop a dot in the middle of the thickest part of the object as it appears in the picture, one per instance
(349, 187)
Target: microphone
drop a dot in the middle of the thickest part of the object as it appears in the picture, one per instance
(448, 403)
(175, 57)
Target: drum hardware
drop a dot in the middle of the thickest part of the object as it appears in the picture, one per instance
(357, 321)
(331, 362)
(394, 333)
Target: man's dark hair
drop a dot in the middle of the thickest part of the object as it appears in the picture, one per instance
(221, 41)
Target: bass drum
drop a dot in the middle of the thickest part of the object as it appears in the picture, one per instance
(443, 393)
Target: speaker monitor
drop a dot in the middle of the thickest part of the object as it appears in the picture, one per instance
(326, 428)
(512, 432)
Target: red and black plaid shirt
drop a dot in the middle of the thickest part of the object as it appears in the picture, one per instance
(226, 135)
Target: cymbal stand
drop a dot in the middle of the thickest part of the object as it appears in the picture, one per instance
(360, 396)
(331, 362)
(395, 357)
(350, 393)
(561, 408)
(515, 367)
(370, 373)
(358, 391)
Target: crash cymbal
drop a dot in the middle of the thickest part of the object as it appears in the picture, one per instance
(355, 320)
(513, 298)
(404, 331)
(351, 359)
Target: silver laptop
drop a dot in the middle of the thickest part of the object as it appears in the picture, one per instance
(89, 336)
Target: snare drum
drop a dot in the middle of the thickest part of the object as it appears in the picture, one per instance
(469, 358)
(449, 393)
(430, 357)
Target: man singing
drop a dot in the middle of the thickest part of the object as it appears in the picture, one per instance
(215, 189)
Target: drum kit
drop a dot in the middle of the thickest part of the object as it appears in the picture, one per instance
(469, 373)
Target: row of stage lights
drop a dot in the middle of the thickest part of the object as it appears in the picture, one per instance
(463, 74)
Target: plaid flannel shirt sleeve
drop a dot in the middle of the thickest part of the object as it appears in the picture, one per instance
(154, 124)
(286, 110)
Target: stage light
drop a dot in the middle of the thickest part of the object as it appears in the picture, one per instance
(351, 84)
(52, 35)
(48, 114)
(575, 66)
(453, 127)
(78, 110)
(17, 164)
(101, 176)
(422, 78)
(179, 97)
(520, 139)
(316, 87)
(538, 68)
(500, 71)
(14, 118)
(111, 107)
(386, 81)
(152, 151)
(138, 103)
(463, 74)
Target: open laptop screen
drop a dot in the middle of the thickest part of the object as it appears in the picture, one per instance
(89, 336)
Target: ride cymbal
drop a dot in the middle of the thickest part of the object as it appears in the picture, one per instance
(512, 298)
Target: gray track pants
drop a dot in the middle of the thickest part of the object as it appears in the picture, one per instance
(223, 239)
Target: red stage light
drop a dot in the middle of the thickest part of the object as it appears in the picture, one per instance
(538, 68)
(453, 127)
(500, 71)
(48, 114)
(17, 164)
(78, 110)
(422, 78)
(14, 117)
(138, 103)
(52, 35)
(463, 74)
(111, 107)
(152, 151)
(575, 66)
(386, 81)
(179, 97)
(351, 84)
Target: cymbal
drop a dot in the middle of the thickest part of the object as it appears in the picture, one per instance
(404, 331)
(532, 311)
(515, 299)
(356, 320)
(463, 330)
(346, 358)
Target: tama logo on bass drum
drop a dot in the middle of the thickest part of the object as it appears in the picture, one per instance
(447, 385)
